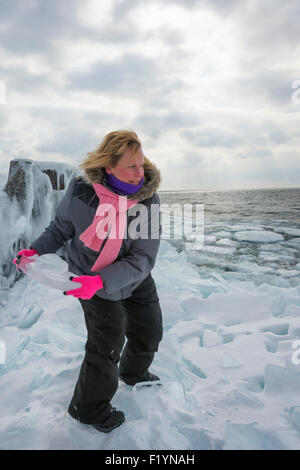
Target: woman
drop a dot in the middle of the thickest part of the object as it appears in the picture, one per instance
(118, 294)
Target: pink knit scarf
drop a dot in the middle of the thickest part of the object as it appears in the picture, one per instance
(110, 217)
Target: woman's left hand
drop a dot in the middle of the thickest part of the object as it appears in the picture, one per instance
(90, 285)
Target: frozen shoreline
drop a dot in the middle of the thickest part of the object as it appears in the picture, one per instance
(225, 361)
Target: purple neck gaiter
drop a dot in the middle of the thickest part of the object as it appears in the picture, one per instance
(120, 187)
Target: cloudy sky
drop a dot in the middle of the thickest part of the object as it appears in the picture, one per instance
(212, 87)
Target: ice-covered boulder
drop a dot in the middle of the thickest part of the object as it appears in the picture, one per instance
(27, 204)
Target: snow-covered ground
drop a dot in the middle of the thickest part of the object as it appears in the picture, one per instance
(229, 371)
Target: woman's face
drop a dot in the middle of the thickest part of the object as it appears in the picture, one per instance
(130, 167)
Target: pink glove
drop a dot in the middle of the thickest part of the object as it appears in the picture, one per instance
(23, 256)
(90, 285)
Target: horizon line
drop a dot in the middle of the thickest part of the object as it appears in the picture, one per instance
(226, 189)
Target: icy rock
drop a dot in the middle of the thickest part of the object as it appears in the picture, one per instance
(258, 236)
(218, 250)
(211, 339)
(288, 272)
(267, 256)
(209, 239)
(292, 311)
(31, 316)
(247, 437)
(227, 242)
(20, 176)
(171, 354)
(27, 204)
(282, 381)
(40, 380)
(223, 234)
(294, 417)
(60, 337)
(230, 361)
(289, 231)
(253, 268)
(167, 399)
(294, 242)
(173, 309)
(273, 247)
(13, 358)
(244, 227)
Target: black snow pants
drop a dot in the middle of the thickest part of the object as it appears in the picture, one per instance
(137, 318)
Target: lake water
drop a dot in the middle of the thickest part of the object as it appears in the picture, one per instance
(248, 234)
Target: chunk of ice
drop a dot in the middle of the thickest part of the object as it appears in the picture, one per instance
(255, 236)
(51, 271)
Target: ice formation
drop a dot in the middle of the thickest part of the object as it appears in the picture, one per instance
(226, 364)
(27, 204)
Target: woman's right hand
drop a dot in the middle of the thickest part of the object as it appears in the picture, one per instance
(23, 258)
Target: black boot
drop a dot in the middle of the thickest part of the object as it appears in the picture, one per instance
(115, 419)
(149, 378)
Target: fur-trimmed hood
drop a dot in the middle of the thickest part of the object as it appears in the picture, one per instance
(152, 180)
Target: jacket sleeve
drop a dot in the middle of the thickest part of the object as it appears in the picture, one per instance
(60, 228)
(140, 260)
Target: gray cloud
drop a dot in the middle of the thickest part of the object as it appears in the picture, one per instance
(278, 135)
(212, 137)
(222, 7)
(32, 26)
(76, 131)
(133, 74)
(156, 123)
(258, 137)
(122, 8)
(257, 153)
(19, 79)
(71, 142)
(272, 25)
(264, 87)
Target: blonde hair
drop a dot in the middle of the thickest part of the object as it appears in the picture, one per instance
(111, 150)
